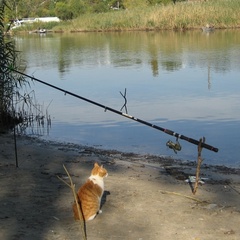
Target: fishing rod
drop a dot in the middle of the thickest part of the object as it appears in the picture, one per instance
(106, 108)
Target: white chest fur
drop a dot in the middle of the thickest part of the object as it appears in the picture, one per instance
(97, 180)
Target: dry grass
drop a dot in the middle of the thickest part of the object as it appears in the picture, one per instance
(221, 14)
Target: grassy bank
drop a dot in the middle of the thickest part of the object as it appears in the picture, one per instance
(183, 15)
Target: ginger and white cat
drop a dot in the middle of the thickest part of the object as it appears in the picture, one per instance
(90, 194)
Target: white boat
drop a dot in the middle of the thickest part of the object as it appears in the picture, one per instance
(208, 28)
(42, 31)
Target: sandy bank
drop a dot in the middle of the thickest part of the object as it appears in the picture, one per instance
(146, 197)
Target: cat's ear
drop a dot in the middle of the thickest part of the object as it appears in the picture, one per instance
(96, 164)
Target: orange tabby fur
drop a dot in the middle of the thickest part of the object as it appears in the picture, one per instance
(90, 194)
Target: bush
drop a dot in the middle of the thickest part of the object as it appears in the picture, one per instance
(63, 11)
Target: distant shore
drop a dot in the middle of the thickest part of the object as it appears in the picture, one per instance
(178, 17)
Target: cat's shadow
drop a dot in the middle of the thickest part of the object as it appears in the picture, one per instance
(104, 198)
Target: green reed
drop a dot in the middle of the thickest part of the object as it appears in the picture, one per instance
(183, 15)
(16, 105)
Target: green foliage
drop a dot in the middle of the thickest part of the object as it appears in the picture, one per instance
(155, 2)
(69, 9)
(100, 7)
(149, 14)
(77, 7)
(179, 16)
(9, 81)
(131, 4)
(63, 11)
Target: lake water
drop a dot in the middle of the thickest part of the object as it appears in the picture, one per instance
(188, 82)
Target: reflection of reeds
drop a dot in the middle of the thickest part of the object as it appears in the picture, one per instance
(183, 15)
(31, 114)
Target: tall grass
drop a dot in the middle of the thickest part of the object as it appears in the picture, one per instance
(16, 106)
(9, 82)
(183, 15)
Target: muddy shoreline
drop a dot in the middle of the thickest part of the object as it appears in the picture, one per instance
(146, 197)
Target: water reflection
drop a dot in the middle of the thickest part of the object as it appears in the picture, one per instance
(184, 81)
(166, 50)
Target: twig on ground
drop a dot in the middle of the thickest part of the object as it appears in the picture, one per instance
(79, 209)
(182, 195)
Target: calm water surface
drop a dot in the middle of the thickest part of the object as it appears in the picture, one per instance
(187, 82)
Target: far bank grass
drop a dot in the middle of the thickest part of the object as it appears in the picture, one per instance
(183, 15)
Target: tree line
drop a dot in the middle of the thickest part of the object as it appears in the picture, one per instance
(70, 9)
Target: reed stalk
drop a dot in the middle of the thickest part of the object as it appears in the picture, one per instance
(79, 209)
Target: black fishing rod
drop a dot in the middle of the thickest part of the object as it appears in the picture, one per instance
(167, 131)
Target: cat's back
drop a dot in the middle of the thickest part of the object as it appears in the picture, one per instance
(89, 191)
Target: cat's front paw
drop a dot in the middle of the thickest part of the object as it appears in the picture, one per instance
(100, 211)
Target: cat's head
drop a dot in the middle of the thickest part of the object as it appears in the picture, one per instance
(99, 170)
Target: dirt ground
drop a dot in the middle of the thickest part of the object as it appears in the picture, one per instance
(146, 197)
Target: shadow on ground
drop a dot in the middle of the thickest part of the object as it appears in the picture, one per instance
(144, 198)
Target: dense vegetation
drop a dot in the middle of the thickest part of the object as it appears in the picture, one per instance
(136, 14)
(9, 82)
(70, 9)
(220, 13)
(14, 101)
